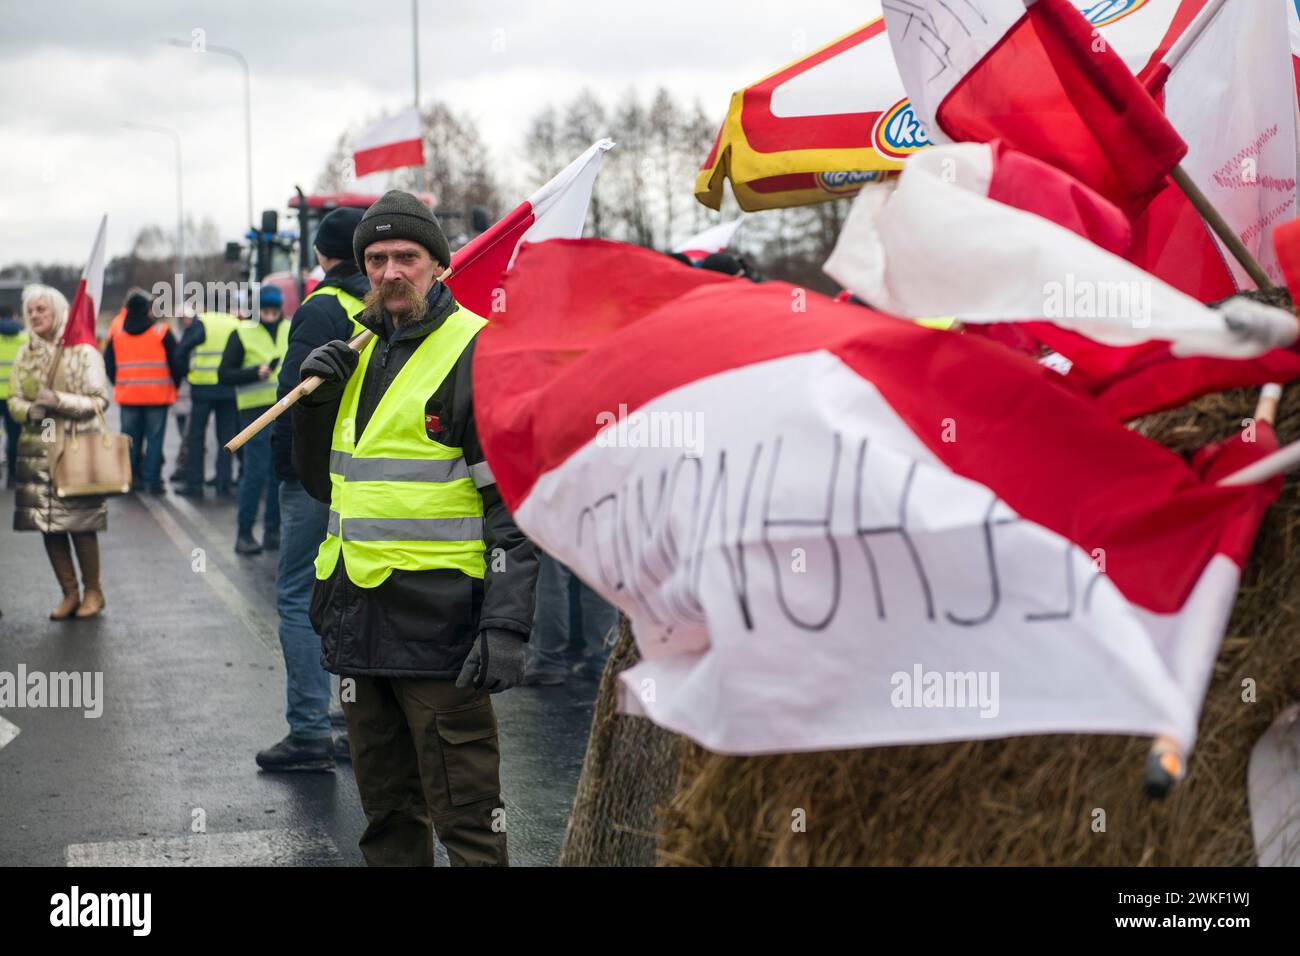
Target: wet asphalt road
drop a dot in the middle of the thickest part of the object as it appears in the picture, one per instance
(193, 686)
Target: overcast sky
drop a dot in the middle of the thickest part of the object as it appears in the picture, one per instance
(72, 72)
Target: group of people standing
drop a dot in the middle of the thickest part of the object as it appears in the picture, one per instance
(389, 515)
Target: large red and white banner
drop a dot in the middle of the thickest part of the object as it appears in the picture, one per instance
(831, 528)
(391, 143)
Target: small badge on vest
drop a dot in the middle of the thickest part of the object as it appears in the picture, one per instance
(433, 420)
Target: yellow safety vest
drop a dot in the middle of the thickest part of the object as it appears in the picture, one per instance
(260, 349)
(400, 500)
(206, 358)
(351, 304)
(9, 346)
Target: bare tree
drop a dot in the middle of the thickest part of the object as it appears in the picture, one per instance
(584, 123)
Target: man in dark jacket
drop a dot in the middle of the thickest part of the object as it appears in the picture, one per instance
(424, 592)
(323, 317)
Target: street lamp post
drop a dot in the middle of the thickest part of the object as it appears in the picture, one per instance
(180, 201)
(248, 109)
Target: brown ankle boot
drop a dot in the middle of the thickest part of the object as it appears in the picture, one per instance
(59, 550)
(87, 545)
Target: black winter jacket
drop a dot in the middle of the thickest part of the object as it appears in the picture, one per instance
(417, 623)
(316, 322)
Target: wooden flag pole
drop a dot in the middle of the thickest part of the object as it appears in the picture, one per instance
(305, 387)
(1220, 227)
(1166, 761)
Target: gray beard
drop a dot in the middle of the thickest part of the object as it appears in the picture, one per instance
(375, 311)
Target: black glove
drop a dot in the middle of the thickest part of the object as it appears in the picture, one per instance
(495, 662)
(334, 362)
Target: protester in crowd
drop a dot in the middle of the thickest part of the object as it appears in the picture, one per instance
(201, 348)
(557, 587)
(141, 360)
(181, 408)
(406, 604)
(249, 362)
(325, 315)
(65, 390)
(12, 337)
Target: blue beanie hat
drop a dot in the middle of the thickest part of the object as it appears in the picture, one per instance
(270, 297)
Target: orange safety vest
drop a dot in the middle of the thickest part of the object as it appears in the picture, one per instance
(143, 377)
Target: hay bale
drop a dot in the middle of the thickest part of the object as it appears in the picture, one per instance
(630, 770)
(1029, 800)
(1018, 801)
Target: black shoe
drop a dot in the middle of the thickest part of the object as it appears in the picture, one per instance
(244, 544)
(155, 490)
(224, 491)
(341, 749)
(177, 475)
(271, 540)
(210, 482)
(189, 491)
(295, 754)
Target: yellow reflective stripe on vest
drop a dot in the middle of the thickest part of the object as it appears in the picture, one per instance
(399, 500)
(405, 529)
(206, 357)
(260, 349)
(397, 469)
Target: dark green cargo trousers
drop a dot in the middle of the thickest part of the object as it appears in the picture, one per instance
(426, 758)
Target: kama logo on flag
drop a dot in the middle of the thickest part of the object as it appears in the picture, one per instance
(908, 500)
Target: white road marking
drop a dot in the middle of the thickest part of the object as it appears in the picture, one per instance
(241, 848)
(265, 630)
(8, 731)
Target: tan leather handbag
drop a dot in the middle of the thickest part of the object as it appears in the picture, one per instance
(91, 464)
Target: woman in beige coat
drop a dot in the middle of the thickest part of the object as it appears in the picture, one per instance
(74, 401)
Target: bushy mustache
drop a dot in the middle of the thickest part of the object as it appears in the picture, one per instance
(413, 304)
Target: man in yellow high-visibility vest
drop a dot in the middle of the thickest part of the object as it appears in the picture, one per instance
(424, 590)
(12, 336)
(201, 347)
(249, 363)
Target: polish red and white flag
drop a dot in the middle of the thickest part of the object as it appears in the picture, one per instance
(987, 235)
(557, 210)
(831, 528)
(1034, 75)
(89, 297)
(708, 241)
(1054, 79)
(391, 143)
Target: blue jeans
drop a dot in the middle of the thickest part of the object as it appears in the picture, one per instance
(257, 476)
(308, 690)
(145, 424)
(551, 631)
(223, 409)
